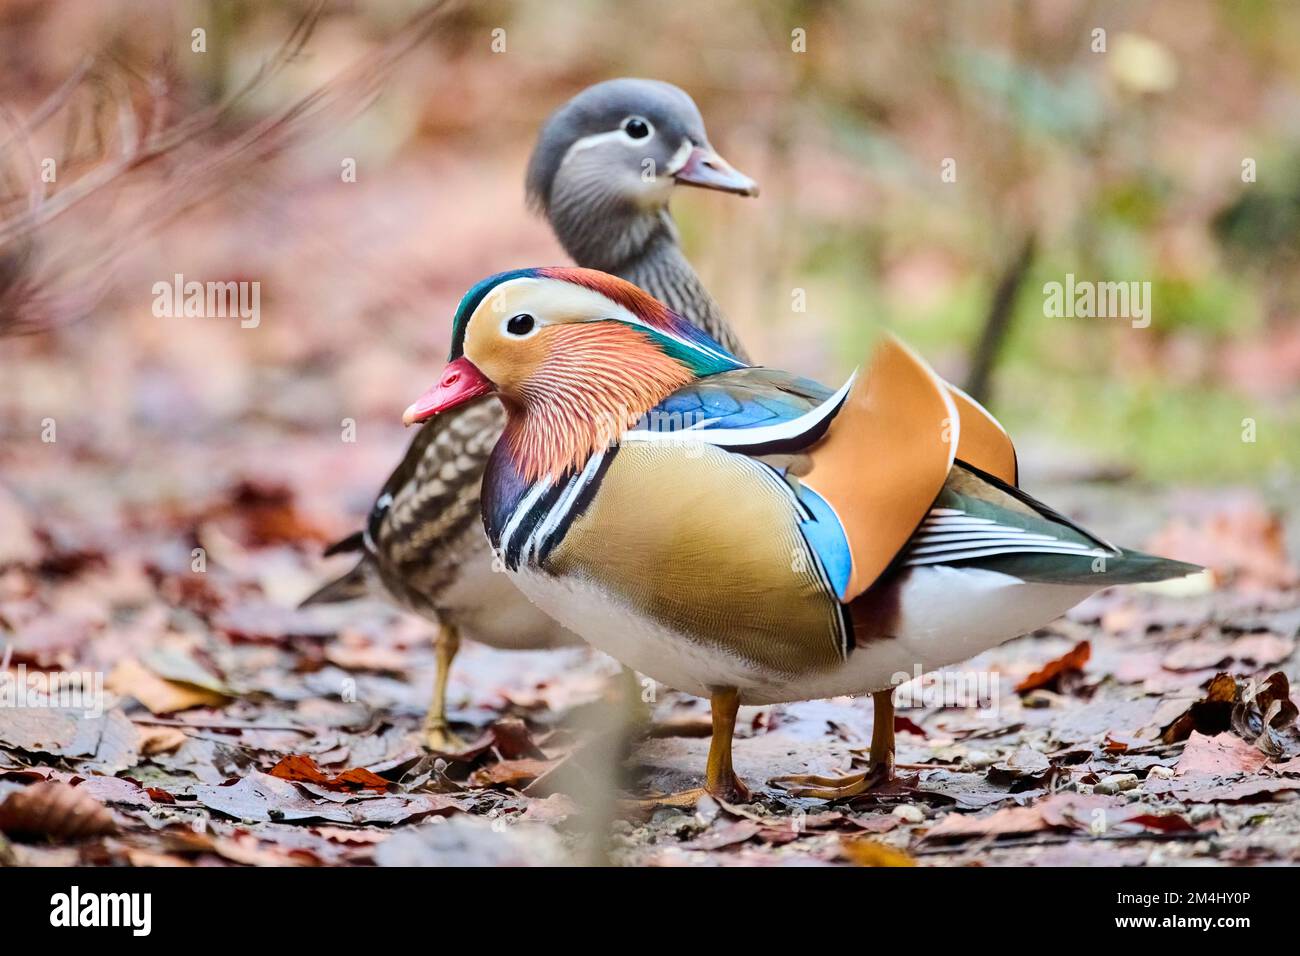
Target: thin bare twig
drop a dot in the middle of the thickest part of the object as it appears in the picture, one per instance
(32, 301)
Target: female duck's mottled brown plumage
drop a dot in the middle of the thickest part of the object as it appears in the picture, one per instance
(423, 544)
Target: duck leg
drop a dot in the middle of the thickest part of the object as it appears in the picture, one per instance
(880, 760)
(437, 731)
(720, 779)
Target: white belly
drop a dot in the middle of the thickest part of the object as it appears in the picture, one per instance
(946, 615)
(487, 607)
(635, 640)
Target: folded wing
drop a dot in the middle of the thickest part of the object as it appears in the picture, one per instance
(866, 461)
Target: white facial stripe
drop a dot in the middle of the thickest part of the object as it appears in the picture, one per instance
(595, 139)
(550, 301)
(494, 301)
(613, 135)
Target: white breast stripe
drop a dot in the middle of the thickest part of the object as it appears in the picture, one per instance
(532, 548)
(528, 553)
(525, 505)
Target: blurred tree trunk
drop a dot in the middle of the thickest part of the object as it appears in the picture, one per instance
(998, 321)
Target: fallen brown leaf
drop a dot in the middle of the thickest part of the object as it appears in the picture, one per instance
(345, 835)
(906, 725)
(303, 768)
(1223, 755)
(510, 773)
(1161, 822)
(1263, 710)
(263, 798)
(1008, 820)
(265, 513)
(552, 809)
(1257, 711)
(1051, 674)
(130, 678)
(1241, 790)
(508, 736)
(55, 810)
(1210, 715)
(366, 657)
(1075, 810)
(724, 834)
(39, 729)
(160, 740)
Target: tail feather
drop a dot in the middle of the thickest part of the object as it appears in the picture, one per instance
(350, 587)
(1097, 569)
(356, 541)
(1138, 567)
(981, 521)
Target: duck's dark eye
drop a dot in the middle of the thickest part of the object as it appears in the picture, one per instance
(520, 324)
(636, 127)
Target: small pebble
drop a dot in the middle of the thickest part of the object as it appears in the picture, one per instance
(908, 813)
(1116, 783)
(1161, 772)
(706, 810)
(1201, 812)
(665, 817)
(979, 759)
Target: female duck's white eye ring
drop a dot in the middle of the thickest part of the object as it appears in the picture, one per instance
(520, 325)
(637, 128)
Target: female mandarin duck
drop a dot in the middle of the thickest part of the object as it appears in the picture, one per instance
(422, 546)
(740, 533)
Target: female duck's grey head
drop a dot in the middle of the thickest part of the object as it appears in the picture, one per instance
(606, 162)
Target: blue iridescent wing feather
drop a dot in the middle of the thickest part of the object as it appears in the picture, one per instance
(726, 408)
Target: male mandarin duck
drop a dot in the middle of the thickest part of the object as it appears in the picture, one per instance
(743, 534)
(603, 171)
